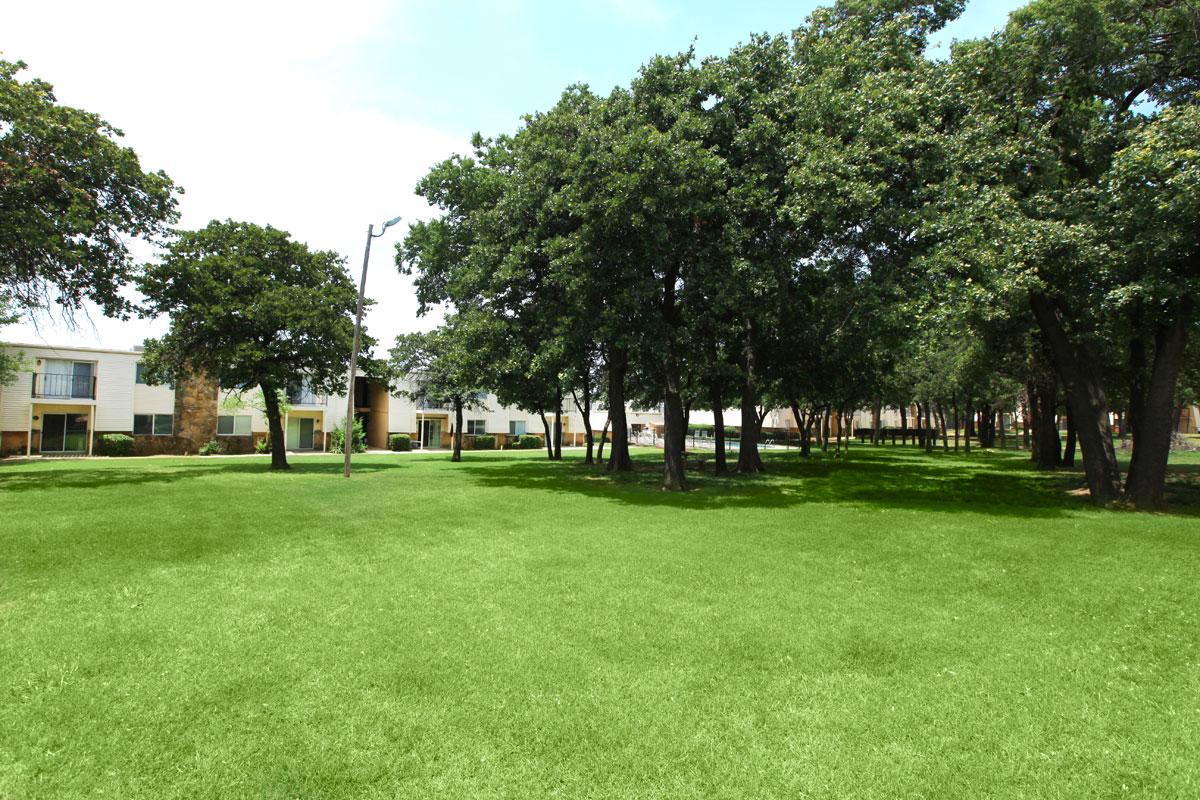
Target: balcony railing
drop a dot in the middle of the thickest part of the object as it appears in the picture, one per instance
(62, 386)
(303, 397)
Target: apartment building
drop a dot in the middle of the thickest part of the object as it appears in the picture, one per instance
(64, 398)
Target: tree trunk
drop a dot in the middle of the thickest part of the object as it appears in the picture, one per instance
(1089, 403)
(956, 425)
(941, 414)
(275, 426)
(603, 439)
(1152, 435)
(930, 432)
(549, 436)
(558, 425)
(877, 423)
(749, 461)
(903, 425)
(825, 429)
(1048, 452)
(721, 467)
(618, 459)
(458, 431)
(585, 411)
(1025, 420)
(1068, 458)
(674, 477)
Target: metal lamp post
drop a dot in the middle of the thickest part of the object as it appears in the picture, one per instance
(362, 290)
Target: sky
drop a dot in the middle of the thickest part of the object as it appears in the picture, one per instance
(319, 118)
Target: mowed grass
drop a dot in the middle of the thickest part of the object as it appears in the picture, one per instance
(888, 625)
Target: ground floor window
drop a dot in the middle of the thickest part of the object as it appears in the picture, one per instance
(516, 427)
(476, 427)
(233, 425)
(153, 424)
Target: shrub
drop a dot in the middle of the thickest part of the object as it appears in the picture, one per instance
(526, 441)
(262, 446)
(484, 441)
(337, 438)
(400, 442)
(209, 448)
(114, 444)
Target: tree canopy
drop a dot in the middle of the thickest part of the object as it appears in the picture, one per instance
(833, 220)
(71, 199)
(252, 309)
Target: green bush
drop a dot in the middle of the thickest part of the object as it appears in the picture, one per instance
(337, 438)
(262, 446)
(484, 441)
(114, 444)
(400, 442)
(526, 441)
(210, 448)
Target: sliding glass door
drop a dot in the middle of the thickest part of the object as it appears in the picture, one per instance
(64, 433)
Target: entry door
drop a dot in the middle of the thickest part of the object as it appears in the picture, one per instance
(431, 433)
(64, 433)
(306, 433)
(300, 433)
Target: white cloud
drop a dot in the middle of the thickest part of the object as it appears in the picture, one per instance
(249, 106)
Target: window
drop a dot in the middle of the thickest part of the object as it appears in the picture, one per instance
(233, 425)
(138, 376)
(516, 427)
(153, 424)
(476, 427)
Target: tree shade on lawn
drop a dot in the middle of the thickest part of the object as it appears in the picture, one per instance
(888, 624)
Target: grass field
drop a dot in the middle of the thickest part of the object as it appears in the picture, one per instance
(891, 625)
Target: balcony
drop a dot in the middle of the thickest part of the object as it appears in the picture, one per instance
(304, 397)
(63, 386)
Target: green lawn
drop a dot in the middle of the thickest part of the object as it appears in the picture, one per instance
(889, 625)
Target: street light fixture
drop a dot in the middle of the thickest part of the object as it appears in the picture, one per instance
(362, 290)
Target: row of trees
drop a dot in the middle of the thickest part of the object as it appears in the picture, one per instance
(831, 220)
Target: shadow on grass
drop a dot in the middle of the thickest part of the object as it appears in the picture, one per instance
(51, 475)
(999, 485)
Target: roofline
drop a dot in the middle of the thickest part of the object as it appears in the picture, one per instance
(74, 348)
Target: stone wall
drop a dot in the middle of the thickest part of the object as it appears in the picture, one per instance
(195, 412)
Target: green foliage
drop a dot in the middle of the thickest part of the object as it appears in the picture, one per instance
(484, 441)
(10, 363)
(440, 365)
(71, 201)
(262, 446)
(400, 442)
(358, 442)
(254, 310)
(525, 442)
(210, 448)
(114, 444)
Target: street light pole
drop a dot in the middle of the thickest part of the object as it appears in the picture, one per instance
(362, 291)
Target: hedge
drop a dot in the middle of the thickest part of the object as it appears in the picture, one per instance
(484, 441)
(525, 442)
(400, 442)
(114, 444)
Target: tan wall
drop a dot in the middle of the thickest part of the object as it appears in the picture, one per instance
(377, 423)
